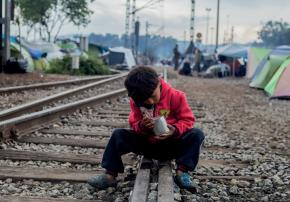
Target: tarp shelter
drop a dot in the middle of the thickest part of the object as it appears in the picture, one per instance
(219, 70)
(120, 56)
(101, 49)
(36, 54)
(279, 85)
(52, 50)
(188, 55)
(229, 54)
(267, 67)
(67, 46)
(35, 58)
(233, 51)
(255, 56)
(190, 49)
(15, 47)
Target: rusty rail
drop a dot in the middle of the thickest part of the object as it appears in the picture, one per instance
(38, 104)
(50, 84)
(33, 121)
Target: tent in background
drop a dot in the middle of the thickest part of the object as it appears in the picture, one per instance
(36, 54)
(267, 67)
(120, 57)
(52, 50)
(41, 64)
(21, 52)
(35, 58)
(230, 55)
(255, 56)
(233, 51)
(190, 49)
(279, 85)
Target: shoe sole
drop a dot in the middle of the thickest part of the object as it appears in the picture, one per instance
(193, 190)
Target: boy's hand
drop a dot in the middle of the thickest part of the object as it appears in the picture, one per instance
(166, 135)
(148, 123)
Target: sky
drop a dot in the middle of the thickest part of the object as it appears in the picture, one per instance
(244, 16)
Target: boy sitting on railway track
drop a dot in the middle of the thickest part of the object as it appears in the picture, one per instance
(152, 97)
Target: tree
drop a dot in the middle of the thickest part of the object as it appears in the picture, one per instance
(50, 15)
(275, 33)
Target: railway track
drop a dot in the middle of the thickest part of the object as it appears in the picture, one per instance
(29, 150)
(54, 151)
(44, 153)
(52, 84)
(19, 95)
(63, 97)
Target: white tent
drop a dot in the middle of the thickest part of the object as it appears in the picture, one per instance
(122, 56)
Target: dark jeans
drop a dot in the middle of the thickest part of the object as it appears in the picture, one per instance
(184, 150)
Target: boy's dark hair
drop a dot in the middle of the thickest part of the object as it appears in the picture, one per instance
(141, 83)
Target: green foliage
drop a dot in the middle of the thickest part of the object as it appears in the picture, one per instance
(93, 66)
(77, 11)
(87, 67)
(35, 11)
(60, 66)
(275, 33)
(93, 52)
(50, 15)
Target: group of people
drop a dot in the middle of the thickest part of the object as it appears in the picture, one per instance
(183, 64)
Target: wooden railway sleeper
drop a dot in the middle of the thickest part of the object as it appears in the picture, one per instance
(142, 182)
(8, 134)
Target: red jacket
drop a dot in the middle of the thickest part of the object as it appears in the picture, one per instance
(172, 105)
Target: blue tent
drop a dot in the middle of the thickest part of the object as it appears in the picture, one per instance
(234, 51)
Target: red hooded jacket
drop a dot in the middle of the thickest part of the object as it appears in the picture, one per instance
(172, 105)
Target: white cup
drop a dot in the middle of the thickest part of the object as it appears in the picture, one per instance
(160, 126)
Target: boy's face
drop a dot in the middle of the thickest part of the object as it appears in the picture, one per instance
(155, 97)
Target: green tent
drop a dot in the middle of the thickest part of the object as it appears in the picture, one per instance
(267, 68)
(271, 86)
(255, 56)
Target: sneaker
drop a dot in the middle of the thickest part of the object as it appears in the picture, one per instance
(102, 181)
(184, 181)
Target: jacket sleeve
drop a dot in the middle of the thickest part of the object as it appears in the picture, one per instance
(183, 114)
(135, 118)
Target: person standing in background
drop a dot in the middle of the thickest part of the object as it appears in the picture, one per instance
(176, 57)
(197, 60)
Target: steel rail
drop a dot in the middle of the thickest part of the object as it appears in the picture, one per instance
(42, 199)
(38, 104)
(53, 83)
(24, 124)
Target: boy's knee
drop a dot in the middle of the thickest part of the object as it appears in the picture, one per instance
(200, 135)
(117, 133)
(121, 134)
(197, 135)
